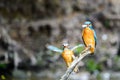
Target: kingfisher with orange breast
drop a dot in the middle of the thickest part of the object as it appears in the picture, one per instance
(68, 56)
(89, 36)
(67, 53)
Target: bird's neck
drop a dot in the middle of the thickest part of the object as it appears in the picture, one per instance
(65, 48)
(90, 27)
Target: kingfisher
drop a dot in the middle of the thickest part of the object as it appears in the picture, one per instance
(68, 56)
(89, 36)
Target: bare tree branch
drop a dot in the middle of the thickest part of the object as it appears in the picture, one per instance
(74, 64)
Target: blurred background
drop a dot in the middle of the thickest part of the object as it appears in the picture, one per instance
(27, 26)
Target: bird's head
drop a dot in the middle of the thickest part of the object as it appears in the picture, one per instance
(87, 24)
(65, 45)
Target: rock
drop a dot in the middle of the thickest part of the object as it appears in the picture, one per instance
(19, 74)
(80, 76)
(105, 75)
(104, 37)
(115, 76)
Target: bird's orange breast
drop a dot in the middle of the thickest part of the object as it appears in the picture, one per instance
(88, 38)
(67, 55)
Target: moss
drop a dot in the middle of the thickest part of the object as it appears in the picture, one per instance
(78, 50)
(92, 65)
(107, 23)
(2, 65)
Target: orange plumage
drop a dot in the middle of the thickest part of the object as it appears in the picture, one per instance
(88, 38)
(68, 56)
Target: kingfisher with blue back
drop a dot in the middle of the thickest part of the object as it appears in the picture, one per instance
(89, 36)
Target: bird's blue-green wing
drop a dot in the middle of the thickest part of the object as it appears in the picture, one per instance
(53, 48)
(95, 37)
(80, 45)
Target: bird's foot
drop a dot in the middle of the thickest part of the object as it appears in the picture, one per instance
(85, 50)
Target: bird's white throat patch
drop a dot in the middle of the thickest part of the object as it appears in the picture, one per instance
(84, 26)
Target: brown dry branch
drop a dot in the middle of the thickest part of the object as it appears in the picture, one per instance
(74, 63)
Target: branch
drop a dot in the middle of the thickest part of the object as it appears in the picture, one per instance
(80, 45)
(74, 63)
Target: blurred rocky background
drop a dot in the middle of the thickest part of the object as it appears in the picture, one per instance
(27, 26)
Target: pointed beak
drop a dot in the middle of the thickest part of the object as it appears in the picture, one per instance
(65, 44)
(84, 26)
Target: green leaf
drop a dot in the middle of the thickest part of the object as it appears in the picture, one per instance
(91, 65)
(78, 50)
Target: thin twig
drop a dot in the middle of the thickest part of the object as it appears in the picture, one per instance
(85, 50)
(74, 64)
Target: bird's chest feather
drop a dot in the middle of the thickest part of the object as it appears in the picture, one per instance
(88, 34)
(67, 55)
(88, 37)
